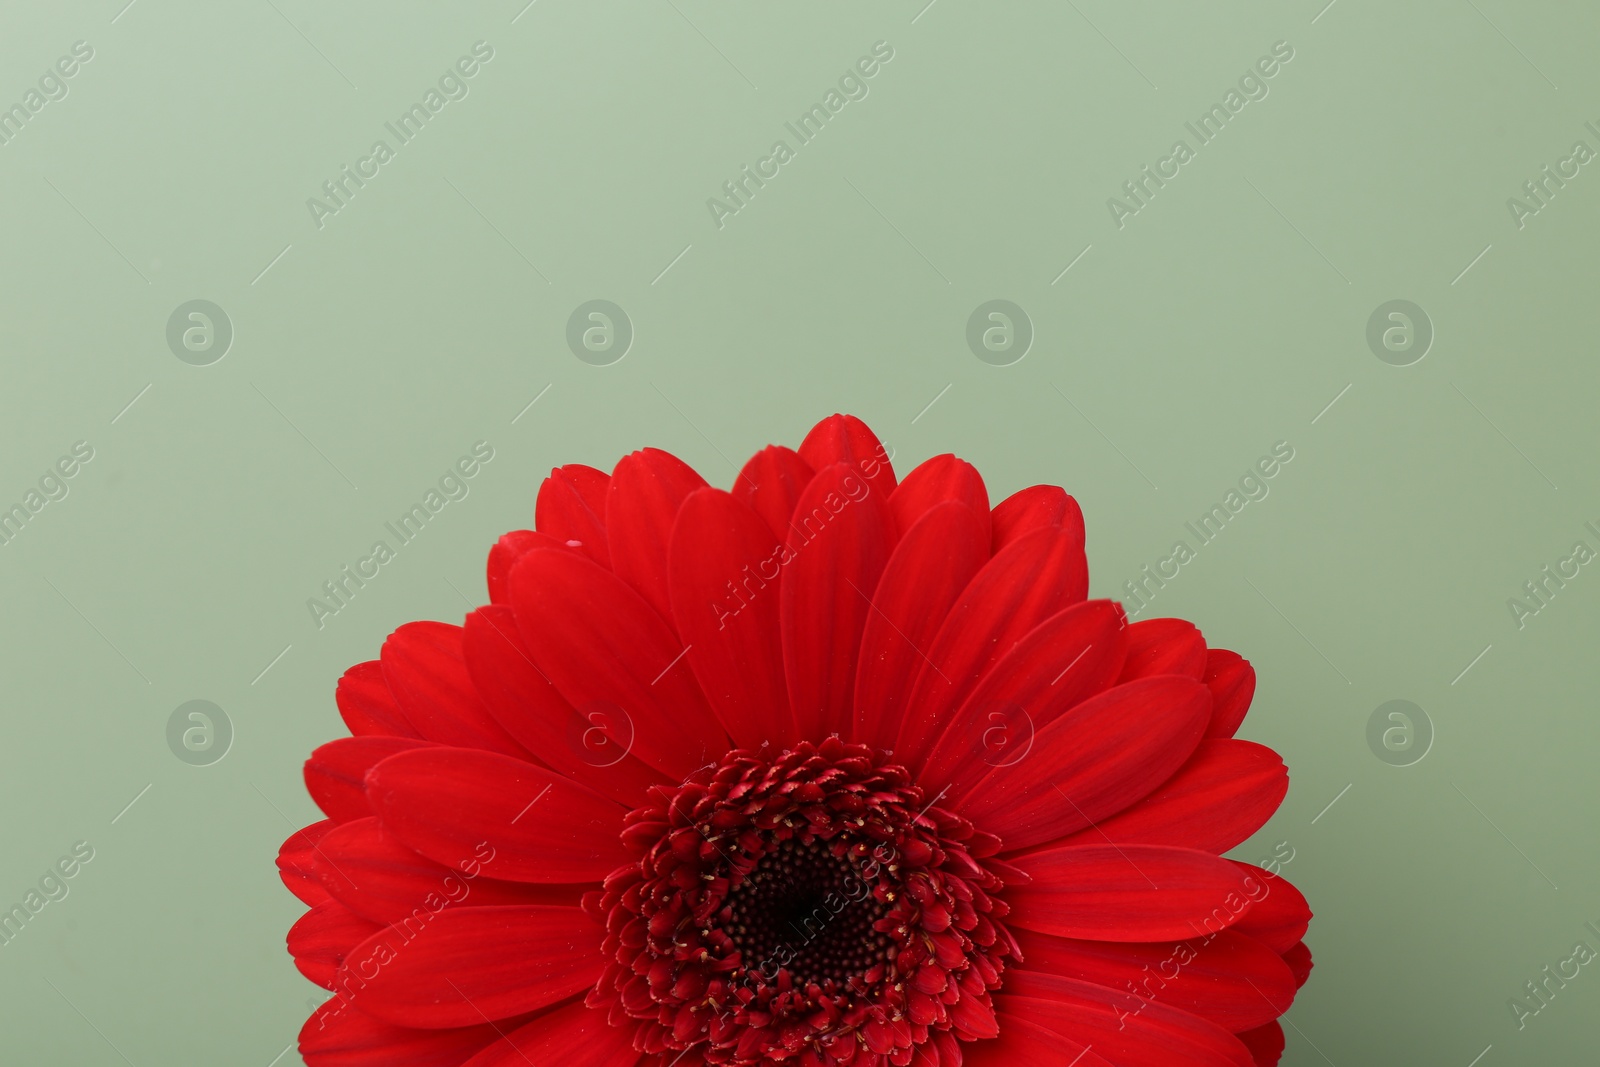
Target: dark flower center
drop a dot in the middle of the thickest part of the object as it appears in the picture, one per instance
(812, 902)
(804, 904)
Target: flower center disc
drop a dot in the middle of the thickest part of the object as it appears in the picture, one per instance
(818, 906)
(809, 902)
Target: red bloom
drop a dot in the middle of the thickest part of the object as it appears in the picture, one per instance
(827, 771)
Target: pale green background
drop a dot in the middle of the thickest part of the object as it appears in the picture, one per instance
(1213, 325)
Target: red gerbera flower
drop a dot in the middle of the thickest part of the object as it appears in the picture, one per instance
(827, 770)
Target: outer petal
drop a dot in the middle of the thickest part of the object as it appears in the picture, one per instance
(323, 936)
(504, 555)
(1281, 917)
(1265, 1044)
(1030, 580)
(1233, 980)
(523, 823)
(647, 488)
(380, 879)
(336, 773)
(1164, 646)
(1225, 793)
(1097, 759)
(534, 712)
(336, 1035)
(930, 566)
(723, 573)
(1232, 682)
(1030, 509)
(605, 649)
(1130, 1031)
(1298, 960)
(1069, 657)
(770, 485)
(367, 706)
(571, 1034)
(935, 481)
(846, 439)
(1132, 893)
(295, 858)
(572, 507)
(471, 963)
(838, 545)
(423, 665)
(1024, 1042)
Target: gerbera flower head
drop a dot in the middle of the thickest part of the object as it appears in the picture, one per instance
(830, 769)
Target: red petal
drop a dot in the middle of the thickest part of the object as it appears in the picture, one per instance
(838, 545)
(323, 936)
(367, 706)
(1280, 918)
(523, 823)
(571, 1034)
(926, 572)
(337, 1036)
(571, 507)
(647, 488)
(608, 652)
(724, 570)
(1265, 1044)
(1032, 579)
(1232, 682)
(1131, 1032)
(422, 664)
(936, 481)
(1298, 960)
(770, 484)
(846, 439)
(534, 712)
(295, 863)
(1226, 791)
(336, 773)
(1069, 657)
(1164, 646)
(1095, 760)
(380, 879)
(1025, 1042)
(1030, 509)
(1232, 980)
(471, 964)
(1132, 893)
(504, 555)
(973, 1018)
